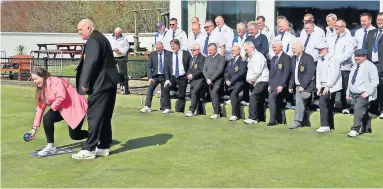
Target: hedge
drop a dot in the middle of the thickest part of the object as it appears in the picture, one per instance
(137, 66)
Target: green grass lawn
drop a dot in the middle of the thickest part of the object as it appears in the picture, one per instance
(193, 152)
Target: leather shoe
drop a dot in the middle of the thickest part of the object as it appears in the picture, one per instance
(272, 123)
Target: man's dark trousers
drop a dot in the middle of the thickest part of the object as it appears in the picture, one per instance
(100, 111)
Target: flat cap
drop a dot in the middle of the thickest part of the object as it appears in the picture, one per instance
(322, 45)
(360, 52)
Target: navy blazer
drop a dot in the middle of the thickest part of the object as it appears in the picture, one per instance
(196, 69)
(369, 45)
(280, 71)
(306, 73)
(152, 67)
(186, 57)
(236, 72)
(260, 43)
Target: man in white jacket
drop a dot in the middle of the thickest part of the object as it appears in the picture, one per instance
(328, 82)
(258, 77)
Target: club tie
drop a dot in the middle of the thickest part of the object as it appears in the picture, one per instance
(355, 74)
(161, 65)
(307, 41)
(177, 66)
(364, 37)
(206, 44)
(376, 45)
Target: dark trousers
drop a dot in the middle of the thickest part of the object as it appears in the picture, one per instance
(276, 106)
(51, 117)
(214, 91)
(343, 100)
(196, 88)
(100, 111)
(123, 70)
(257, 102)
(362, 121)
(246, 92)
(326, 106)
(180, 83)
(376, 106)
(234, 91)
(159, 79)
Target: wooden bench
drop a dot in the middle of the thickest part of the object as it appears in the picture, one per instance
(24, 62)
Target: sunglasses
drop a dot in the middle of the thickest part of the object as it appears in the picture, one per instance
(206, 27)
(172, 24)
(195, 49)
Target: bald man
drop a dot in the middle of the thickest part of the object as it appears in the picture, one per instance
(97, 76)
(195, 20)
(197, 37)
(235, 79)
(227, 33)
(120, 46)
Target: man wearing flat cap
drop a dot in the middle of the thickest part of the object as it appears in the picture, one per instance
(328, 82)
(362, 88)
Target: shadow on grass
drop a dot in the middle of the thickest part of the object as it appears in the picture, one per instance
(77, 145)
(158, 139)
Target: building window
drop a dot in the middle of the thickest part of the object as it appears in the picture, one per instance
(347, 10)
(232, 11)
(184, 16)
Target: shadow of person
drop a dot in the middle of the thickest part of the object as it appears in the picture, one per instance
(158, 139)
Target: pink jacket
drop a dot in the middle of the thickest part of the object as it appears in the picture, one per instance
(64, 98)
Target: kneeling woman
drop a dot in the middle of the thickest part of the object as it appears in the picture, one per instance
(66, 104)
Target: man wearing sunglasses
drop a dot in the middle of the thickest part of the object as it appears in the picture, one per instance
(175, 33)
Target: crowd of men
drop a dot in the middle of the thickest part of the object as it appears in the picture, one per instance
(258, 66)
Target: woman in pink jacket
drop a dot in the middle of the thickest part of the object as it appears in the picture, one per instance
(66, 104)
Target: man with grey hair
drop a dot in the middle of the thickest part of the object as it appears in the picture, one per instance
(258, 77)
(341, 46)
(196, 79)
(303, 81)
(97, 76)
(195, 20)
(213, 36)
(228, 35)
(197, 37)
(213, 71)
(280, 71)
(241, 37)
(120, 46)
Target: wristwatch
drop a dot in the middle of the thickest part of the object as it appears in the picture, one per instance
(35, 128)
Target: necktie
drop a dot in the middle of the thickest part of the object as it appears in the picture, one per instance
(355, 74)
(322, 59)
(275, 61)
(364, 37)
(336, 40)
(282, 34)
(206, 44)
(219, 29)
(195, 37)
(174, 33)
(332, 30)
(177, 66)
(376, 45)
(161, 65)
(307, 41)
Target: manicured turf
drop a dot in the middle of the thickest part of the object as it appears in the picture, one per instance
(193, 152)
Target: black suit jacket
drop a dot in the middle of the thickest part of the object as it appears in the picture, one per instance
(236, 72)
(97, 69)
(369, 45)
(196, 69)
(152, 67)
(186, 57)
(306, 73)
(280, 71)
(260, 43)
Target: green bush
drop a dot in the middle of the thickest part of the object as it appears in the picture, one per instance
(137, 66)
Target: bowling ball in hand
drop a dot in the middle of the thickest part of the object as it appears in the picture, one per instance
(27, 137)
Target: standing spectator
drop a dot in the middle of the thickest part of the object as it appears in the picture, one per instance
(120, 46)
(175, 33)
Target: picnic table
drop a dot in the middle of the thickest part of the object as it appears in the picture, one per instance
(63, 48)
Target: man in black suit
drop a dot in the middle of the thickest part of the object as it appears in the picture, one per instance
(156, 73)
(176, 77)
(375, 55)
(196, 78)
(280, 71)
(235, 79)
(97, 76)
(303, 79)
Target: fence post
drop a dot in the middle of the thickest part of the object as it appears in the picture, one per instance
(46, 63)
